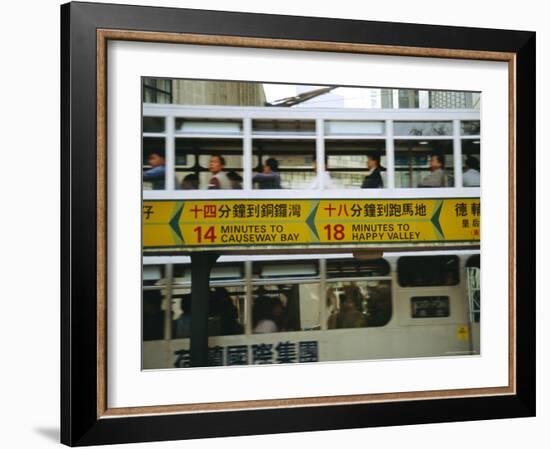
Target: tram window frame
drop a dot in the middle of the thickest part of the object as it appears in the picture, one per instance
(258, 266)
(336, 149)
(411, 149)
(292, 177)
(424, 131)
(287, 280)
(446, 299)
(423, 262)
(383, 265)
(199, 150)
(334, 303)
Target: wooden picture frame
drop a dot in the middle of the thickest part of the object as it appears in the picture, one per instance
(86, 29)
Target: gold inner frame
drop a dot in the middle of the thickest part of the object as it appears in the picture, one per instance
(105, 35)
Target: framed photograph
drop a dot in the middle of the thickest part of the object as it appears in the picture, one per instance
(273, 224)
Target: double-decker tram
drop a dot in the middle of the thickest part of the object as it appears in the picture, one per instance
(339, 234)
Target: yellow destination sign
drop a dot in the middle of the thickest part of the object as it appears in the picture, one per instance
(211, 224)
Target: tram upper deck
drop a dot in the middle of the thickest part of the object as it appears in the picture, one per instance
(320, 153)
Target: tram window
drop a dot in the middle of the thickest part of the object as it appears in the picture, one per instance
(354, 128)
(422, 128)
(426, 271)
(153, 316)
(285, 269)
(220, 272)
(153, 124)
(284, 307)
(474, 286)
(154, 151)
(470, 128)
(471, 163)
(226, 308)
(153, 303)
(350, 164)
(353, 304)
(193, 157)
(430, 307)
(209, 127)
(413, 163)
(304, 127)
(473, 261)
(225, 311)
(283, 164)
(345, 268)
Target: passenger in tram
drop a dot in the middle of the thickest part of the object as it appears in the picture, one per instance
(470, 178)
(373, 179)
(219, 179)
(350, 314)
(157, 173)
(267, 315)
(327, 180)
(190, 182)
(269, 177)
(183, 323)
(235, 179)
(437, 177)
(228, 313)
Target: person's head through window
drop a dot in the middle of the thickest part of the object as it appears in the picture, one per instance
(351, 300)
(216, 164)
(267, 314)
(271, 165)
(219, 179)
(235, 179)
(156, 159)
(156, 174)
(373, 161)
(190, 182)
(437, 162)
(472, 164)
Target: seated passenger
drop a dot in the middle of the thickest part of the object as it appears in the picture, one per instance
(235, 179)
(228, 313)
(350, 314)
(269, 178)
(470, 178)
(190, 182)
(183, 323)
(157, 173)
(267, 315)
(219, 179)
(437, 177)
(373, 179)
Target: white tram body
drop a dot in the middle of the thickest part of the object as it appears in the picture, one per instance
(450, 328)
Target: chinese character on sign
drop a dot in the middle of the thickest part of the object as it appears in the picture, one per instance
(215, 356)
(262, 353)
(210, 211)
(286, 352)
(461, 210)
(237, 355)
(355, 210)
(420, 209)
(308, 351)
(196, 210)
(224, 211)
(148, 211)
(182, 358)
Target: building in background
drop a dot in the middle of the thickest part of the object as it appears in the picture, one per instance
(196, 92)
(432, 99)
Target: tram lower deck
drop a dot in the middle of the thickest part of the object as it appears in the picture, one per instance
(301, 309)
